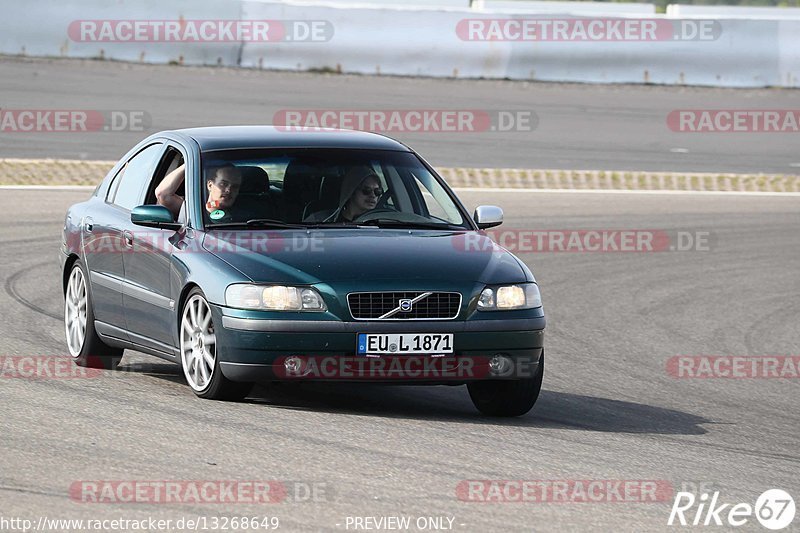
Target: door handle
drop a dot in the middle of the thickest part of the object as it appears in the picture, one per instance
(127, 236)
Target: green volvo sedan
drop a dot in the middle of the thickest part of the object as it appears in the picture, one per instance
(253, 254)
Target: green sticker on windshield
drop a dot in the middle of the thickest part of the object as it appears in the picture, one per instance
(217, 214)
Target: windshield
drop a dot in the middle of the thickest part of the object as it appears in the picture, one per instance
(324, 187)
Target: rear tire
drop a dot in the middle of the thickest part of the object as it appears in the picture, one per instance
(199, 354)
(85, 346)
(507, 397)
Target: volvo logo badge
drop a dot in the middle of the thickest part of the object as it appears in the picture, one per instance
(405, 305)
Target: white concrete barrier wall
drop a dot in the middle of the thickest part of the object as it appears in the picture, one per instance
(745, 12)
(747, 53)
(406, 41)
(493, 6)
(376, 40)
(567, 8)
(22, 31)
(397, 4)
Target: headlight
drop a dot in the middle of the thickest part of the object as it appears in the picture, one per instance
(507, 297)
(273, 298)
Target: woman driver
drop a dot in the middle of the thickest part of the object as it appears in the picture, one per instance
(361, 189)
(360, 192)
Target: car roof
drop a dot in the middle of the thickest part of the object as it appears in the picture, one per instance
(244, 137)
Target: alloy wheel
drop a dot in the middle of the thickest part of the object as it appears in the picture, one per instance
(75, 312)
(198, 343)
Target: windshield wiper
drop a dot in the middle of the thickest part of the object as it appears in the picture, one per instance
(279, 224)
(394, 223)
(258, 223)
(378, 222)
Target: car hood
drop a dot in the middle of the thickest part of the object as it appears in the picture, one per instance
(323, 256)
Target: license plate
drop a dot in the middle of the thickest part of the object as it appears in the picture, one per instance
(405, 343)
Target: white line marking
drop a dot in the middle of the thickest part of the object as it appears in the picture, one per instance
(619, 191)
(48, 187)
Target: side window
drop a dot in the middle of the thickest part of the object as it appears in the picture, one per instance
(172, 159)
(112, 189)
(136, 172)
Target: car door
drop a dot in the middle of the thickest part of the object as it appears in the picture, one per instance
(104, 246)
(147, 297)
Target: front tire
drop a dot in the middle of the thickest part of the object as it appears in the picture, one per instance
(85, 346)
(507, 398)
(199, 354)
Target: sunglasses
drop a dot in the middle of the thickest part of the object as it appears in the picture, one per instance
(366, 191)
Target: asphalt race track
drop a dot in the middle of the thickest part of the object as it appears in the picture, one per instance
(575, 126)
(609, 409)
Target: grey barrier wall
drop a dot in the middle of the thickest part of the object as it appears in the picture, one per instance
(42, 28)
(405, 40)
(747, 12)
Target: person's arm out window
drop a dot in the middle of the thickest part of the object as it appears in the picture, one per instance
(165, 192)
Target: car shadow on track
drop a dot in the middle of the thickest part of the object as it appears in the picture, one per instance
(557, 410)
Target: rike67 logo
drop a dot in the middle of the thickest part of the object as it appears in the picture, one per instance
(774, 509)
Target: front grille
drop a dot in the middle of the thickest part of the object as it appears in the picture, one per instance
(434, 306)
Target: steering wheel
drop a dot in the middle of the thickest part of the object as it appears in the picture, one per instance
(378, 212)
(393, 214)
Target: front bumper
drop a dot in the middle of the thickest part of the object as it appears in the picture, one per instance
(256, 349)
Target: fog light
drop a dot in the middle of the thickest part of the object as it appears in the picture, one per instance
(500, 365)
(293, 364)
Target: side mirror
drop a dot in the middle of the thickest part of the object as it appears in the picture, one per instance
(488, 216)
(154, 216)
